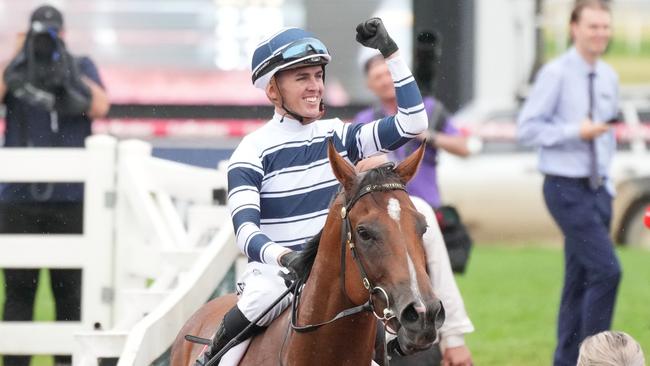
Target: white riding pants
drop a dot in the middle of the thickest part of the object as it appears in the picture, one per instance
(259, 287)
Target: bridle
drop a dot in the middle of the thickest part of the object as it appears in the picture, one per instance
(347, 242)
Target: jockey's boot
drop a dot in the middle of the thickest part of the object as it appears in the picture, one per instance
(234, 322)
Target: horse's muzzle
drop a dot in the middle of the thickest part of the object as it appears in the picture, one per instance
(420, 325)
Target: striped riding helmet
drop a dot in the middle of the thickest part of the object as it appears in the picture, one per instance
(289, 47)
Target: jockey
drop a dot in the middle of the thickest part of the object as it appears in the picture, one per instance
(280, 183)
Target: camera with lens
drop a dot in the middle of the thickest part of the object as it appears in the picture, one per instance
(45, 74)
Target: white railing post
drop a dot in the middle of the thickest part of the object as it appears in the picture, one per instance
(99, 197)
(131, 154)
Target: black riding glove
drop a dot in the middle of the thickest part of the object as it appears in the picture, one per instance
(373, 34)
(291, 261)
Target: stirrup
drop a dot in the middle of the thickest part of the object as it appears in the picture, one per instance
(213, 346)
(203, 359)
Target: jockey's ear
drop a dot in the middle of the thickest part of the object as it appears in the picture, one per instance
(407, 168)
(272, 92)
(343, 171)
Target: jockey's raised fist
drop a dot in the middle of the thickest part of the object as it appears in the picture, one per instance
(373, 34)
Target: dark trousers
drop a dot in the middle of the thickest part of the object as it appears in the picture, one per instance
(591, 269)
(21, 284)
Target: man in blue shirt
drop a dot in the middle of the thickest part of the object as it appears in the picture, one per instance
(50, 98)
(565, 116)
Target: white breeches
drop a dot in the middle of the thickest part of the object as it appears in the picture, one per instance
(261, 286)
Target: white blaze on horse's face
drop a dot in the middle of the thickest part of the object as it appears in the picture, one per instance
(415, 290)
(394, 209)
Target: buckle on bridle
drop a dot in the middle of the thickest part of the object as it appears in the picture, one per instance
(366, 283)
(387, 314)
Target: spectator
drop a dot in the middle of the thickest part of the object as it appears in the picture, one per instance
(610, 348)
(440, 134)
(565, 116)
(50, 98)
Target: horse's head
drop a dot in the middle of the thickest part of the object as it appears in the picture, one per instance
(385, 259)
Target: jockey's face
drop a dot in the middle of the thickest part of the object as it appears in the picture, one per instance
(301, 90)
(380, 81)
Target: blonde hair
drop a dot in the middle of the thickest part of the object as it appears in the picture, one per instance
(610, 348)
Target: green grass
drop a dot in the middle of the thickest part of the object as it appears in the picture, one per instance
(512, 295)
(43, 310)
(631, 70)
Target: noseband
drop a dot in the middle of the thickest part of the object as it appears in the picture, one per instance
(346, 241)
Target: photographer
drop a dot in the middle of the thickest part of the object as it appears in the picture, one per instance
(50, 98)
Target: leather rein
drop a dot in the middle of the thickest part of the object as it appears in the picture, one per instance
(347, 242)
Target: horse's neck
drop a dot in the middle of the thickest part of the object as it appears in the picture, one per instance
(323, 288)
(346, 341)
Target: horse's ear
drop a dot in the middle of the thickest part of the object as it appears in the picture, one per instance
(343, 171)
(407, 168)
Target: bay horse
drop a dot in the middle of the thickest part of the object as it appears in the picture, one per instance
(374, 228)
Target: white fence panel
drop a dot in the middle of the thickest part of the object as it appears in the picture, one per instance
(153, 249)
(90, 251)
(165, 267)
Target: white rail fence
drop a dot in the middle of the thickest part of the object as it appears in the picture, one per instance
(153, 249)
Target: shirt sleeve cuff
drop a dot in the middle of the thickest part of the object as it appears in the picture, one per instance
(452, 341)
(571, 131)
(272, 254)
(398, 68)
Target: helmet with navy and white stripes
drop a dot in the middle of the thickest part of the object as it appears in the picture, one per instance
(290, 47)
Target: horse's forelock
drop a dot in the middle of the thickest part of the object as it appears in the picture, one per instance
(382, 174)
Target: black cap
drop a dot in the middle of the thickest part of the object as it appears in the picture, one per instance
(46, 17)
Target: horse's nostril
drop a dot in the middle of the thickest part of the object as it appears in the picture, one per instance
(410, 314)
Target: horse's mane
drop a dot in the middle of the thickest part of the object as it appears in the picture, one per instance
(382, 174)
(308, 255)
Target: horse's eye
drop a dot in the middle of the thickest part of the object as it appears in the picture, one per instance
(421, 224)
(363, 233)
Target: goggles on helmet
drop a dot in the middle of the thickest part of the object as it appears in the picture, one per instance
(296, 51)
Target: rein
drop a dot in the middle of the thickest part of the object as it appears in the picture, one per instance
(346, 241)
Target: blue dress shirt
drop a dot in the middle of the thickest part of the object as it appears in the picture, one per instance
(555, 108)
